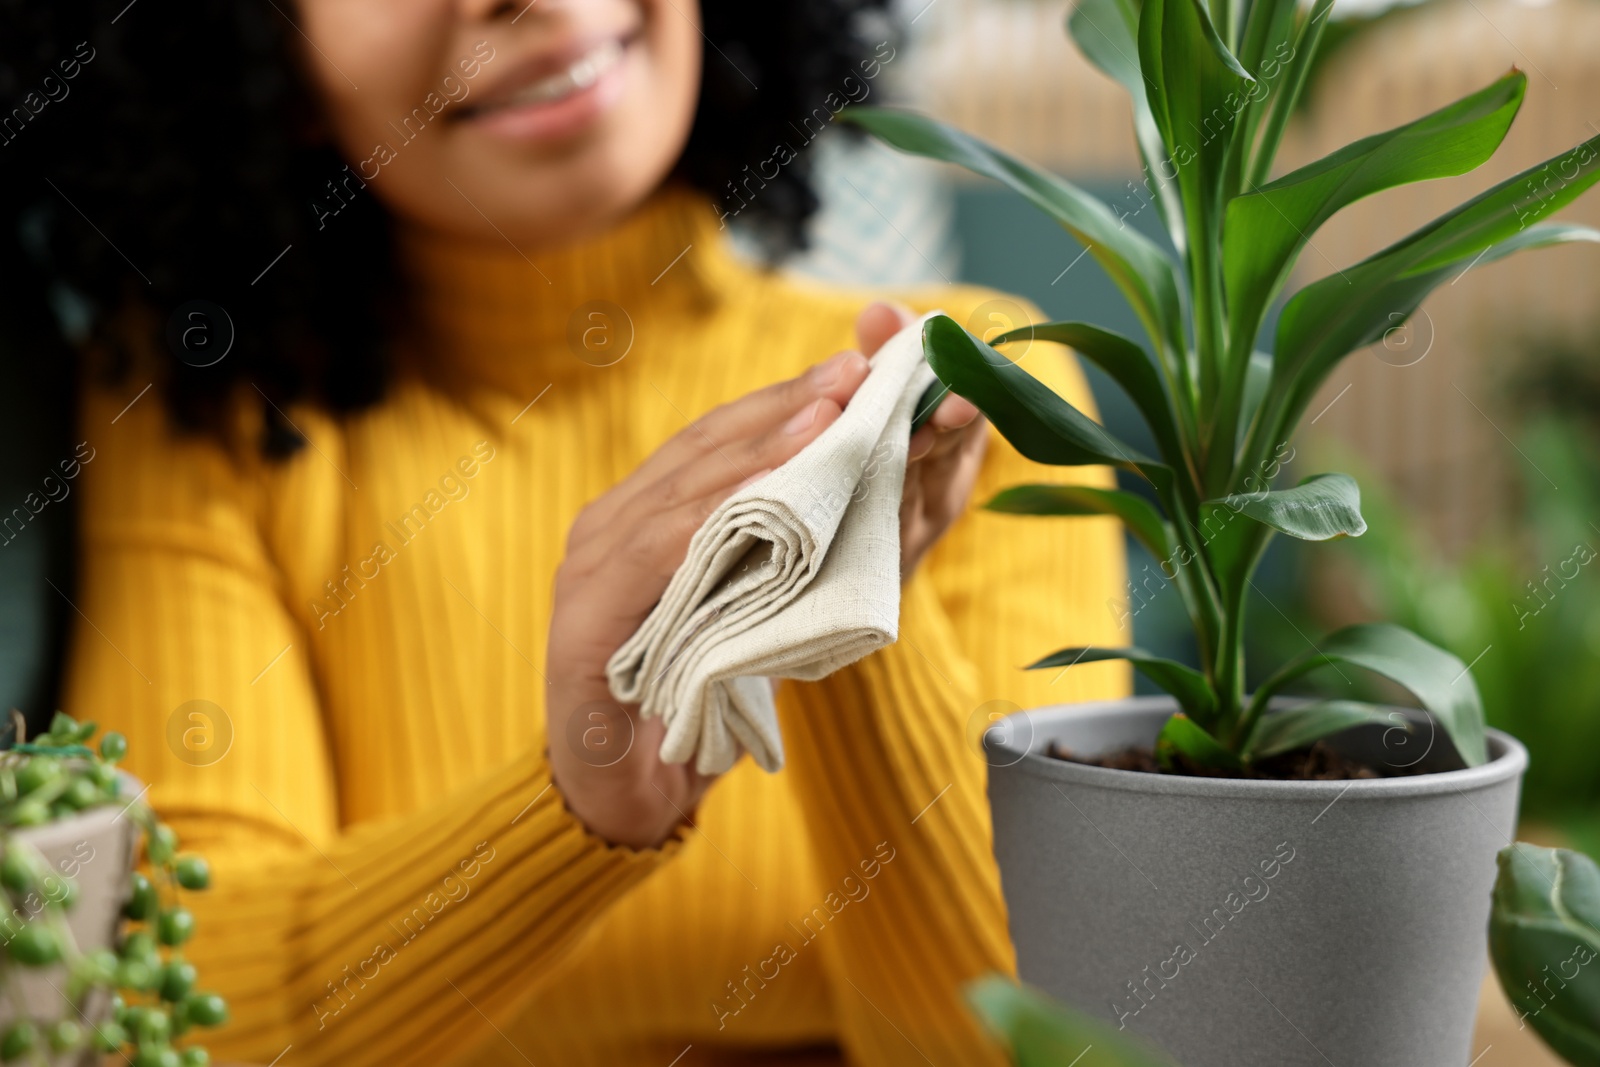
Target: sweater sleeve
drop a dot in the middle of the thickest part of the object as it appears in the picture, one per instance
(888, 765)
(352, 944)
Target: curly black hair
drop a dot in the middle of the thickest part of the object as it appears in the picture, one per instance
(153, 154)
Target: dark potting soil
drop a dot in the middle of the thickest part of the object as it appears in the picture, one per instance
(1319, 763)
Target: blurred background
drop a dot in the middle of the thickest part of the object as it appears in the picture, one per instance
(1474, 429)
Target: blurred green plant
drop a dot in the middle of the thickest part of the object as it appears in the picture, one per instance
(1526, 614)
(1544, 937)
(153, 1001)
(1040, 1032)
(1213, 84)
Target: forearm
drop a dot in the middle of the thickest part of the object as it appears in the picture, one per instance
(394, 943)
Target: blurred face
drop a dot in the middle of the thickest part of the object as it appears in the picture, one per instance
(541, 121)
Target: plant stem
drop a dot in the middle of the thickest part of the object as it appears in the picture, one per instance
(1230, 673)
(1197, 577)
(1222, 456)
(1257, 439)
(1205, 280)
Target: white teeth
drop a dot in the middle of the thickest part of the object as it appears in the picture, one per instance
(584, 72)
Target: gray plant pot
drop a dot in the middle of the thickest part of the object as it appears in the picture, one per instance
(1239, 923)
(96, 849)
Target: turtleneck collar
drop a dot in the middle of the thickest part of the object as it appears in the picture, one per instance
(516, 321)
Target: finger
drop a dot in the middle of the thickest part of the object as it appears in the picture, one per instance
(880, 321)
(703, 475)
(937, 494)
(931, 441)
(652, 544)
(953, 413)
(911, 521)
(666, 513)
(835, 379)
(717, 433)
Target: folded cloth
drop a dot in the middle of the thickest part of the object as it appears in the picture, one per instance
(794, 576)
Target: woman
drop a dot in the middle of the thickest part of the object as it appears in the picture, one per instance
(473, 365)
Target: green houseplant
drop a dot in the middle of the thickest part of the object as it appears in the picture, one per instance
(1124, 889)
(1218, 408)
(93, 958)
(1531, 602)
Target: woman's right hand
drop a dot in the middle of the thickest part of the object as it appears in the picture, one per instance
(621, 552)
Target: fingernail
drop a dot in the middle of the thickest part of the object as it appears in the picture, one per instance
(802, 420)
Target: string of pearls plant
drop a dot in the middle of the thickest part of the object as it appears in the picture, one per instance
(154, 1003)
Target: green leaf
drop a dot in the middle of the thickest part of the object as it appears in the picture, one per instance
(1106, 32)
(1041, 425)
(1266, 230)
(1144, 521)
(1181, 736)
(1246, 309)
(1187, 685)
(1332, 317)
(1285, 731)
(1187, 70)
(1320, 508)
(1136, 264)
(1137, 513)
(1350, 312)
(1233, 548)
(1257, 379)
(1280, 106)
(1194, 88)
(1264, 48)
(1440, 682)
(927, 404)
(1544, 937)
(1269, 24)
(1129, 365)
(1038, 1032)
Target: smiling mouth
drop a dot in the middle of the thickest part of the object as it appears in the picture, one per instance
(581, 74)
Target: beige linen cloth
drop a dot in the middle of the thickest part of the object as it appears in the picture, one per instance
(794, 576)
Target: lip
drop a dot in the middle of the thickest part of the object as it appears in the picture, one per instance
(497, 114)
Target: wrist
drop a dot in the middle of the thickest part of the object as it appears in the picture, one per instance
(622, 809)
(604, 764)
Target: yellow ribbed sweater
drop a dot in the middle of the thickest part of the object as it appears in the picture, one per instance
(396, 880)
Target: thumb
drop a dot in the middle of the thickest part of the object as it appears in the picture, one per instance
(880, 321)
